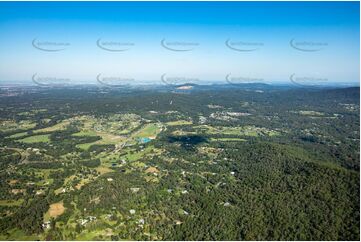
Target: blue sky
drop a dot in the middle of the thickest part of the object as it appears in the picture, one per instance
(270, 41)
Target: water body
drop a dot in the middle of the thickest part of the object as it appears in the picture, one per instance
(144, 140)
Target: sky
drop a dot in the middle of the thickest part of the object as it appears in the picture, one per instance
(175, 42)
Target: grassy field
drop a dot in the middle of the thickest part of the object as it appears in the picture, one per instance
(19, 235)
(103, 170)
(45, 173)
(138, 155)
(33, 112)
(106, 139)
(148, 131)
(85, 133)
(36, 139)
(11, 202)
(248, 130)
(18, 135)
(179, 122)
(60, 126)
(11, 125)
(85, 146)
(228, 139)
(117, 130)
(311, 113)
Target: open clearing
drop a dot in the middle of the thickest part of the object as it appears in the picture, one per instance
(247, 130)
(102, 170)
(55, 210)
(36, 139)
(18, 135)
(60, 126)
(228, 139)
(11, 202)
(148, 131)
(311, 113)
(11, 125)
(85, 133)
(179, 122)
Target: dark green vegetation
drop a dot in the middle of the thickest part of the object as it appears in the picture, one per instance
(207, 164)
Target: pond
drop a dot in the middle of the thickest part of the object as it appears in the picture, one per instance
(144, 140)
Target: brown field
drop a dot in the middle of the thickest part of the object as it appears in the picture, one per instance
(102, 170)
(56, 209)
(152, 170)
(12, 182)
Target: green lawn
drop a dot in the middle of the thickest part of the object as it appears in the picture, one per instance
(138, 155)
(85, 146)
(36, 139)
(149, 130)
(18, 135)
(11, 202)
(60, 126)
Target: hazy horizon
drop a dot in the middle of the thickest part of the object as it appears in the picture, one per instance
(180, 42)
